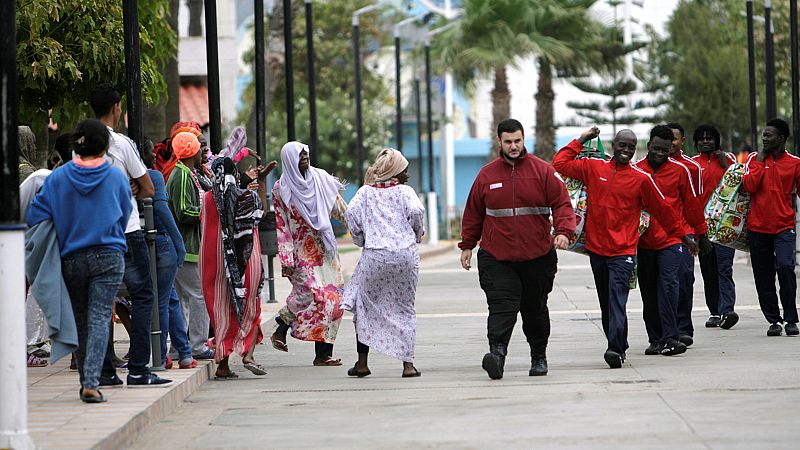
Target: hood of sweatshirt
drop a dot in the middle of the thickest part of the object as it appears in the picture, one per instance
(86, 179)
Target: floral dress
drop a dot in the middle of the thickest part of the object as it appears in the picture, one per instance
(313, 307)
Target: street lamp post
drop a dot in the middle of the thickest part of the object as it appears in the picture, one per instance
(397, 78)
(13, 376)
(420, 159)
(212, 67)
(357, 57)
(312, 84)
(769, 56)
(433, 204)
(751, 68)
(795, 76)
(287, 45)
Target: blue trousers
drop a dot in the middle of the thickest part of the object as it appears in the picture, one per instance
(659, 273)
(717, 270)
(612, 277)
(773, 254)
(140, 286)
(92, 277)
(169, 306)
(685, 291)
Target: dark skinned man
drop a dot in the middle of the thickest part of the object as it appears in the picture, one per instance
(661, 255)
(772, 176)
(616, 194)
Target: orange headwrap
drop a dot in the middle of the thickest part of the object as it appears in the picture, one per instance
(185, 145)
(180, 127)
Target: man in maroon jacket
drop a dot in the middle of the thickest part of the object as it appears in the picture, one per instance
(508, 210)
(616, 194)
(771, 177)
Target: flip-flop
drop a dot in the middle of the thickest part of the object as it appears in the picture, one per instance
(87, 399)
(229, 376)
(355, 373)
(35, 361)
(255, 368)
(411, 375)
(328, 362)
(278, 344)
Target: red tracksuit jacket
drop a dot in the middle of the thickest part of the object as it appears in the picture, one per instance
(617, 193)
(673, 180)
(712, 172)
(696, 178)
(509, 207)
(770, 184)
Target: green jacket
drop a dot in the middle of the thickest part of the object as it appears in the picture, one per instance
(184, 202)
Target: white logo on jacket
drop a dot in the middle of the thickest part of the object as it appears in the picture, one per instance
(495, 186)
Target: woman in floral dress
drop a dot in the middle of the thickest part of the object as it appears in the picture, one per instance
(305, 199)
(385, 218)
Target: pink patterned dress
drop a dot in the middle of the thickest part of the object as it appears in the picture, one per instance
(313, 307)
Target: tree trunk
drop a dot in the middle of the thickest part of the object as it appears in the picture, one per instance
(545, 146)
(501, 105)
(172, 110)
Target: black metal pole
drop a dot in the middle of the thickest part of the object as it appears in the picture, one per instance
(133, 72)
(769, 56)
(399, 107)
(289, 71)
(212, 65)
(420, 158)
(429, 114)
(795, 77)
(9, 146)
(312, 84)
(155, 320)
(359, 124)
(751, 66)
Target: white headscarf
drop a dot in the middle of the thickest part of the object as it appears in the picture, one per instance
(313, 195)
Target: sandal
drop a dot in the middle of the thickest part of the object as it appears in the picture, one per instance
(329, 361)
(88, 399)
(255, 368)
(353, 372)
(278, 344)
(411, 375)
(35, 361)
(228, 376)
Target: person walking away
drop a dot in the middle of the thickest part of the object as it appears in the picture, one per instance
(508, 210)
(88, 191)
(106, 102)
(305, 198)
(385, 218)
(660, 256)
(617, 192)
(716, 266)
(170, 253)
(183, 193)
(230, 265)
(772, 175)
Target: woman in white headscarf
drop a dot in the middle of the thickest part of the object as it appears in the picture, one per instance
(305, 199)
(385, 218)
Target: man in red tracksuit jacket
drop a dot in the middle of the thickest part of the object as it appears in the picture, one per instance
(716, 265)
(686, 270)
(617, 193)
(660, 255)
(771, 177)
(508, 210)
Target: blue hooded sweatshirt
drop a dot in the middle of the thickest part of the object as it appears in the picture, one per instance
(89, 206)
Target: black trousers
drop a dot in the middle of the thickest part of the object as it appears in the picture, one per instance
(518, 287)
(773, 254)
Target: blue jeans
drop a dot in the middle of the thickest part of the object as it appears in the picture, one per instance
(612, 276)
(140, 286)
(771, 254)
(169, 306)
(92, 277)
(659, 273)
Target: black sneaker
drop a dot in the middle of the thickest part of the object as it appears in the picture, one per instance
(148, 380)
(673, 347)
(538, 367)
(712, 322)
(728, 320)
(493, 365)
(775, 330)
(613, 359)
(653, 349)
(791, 329)
(111, 382)
(686, 340)
(207, 354)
